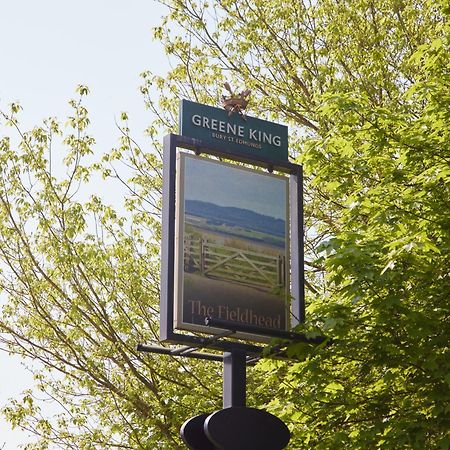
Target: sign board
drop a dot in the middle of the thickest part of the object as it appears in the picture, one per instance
(231, 245)
(235, 132)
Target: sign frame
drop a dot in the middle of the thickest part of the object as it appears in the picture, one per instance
(167, 301)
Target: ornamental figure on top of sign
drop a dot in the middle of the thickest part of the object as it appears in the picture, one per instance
(235, 102)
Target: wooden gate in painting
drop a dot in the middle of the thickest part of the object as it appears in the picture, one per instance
(234, 264)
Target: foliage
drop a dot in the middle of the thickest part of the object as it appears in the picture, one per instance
(384, 383)
(363, 85)
(81, 279)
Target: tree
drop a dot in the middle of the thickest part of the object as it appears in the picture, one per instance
(83, 291)
(384, 384)
(364, 88)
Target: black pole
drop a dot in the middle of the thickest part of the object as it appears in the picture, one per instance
(234, 378)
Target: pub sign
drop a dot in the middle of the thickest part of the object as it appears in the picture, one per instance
(232, 245)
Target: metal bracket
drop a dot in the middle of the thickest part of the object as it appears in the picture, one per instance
(189, 351)
(288, 335)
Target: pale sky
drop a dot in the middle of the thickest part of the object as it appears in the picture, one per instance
(47, 48)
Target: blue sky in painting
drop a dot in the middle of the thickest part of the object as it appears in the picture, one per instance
(224, 185)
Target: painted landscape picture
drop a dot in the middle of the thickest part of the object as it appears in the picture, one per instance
(232, 245)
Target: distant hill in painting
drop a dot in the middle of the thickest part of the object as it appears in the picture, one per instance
(236, 217)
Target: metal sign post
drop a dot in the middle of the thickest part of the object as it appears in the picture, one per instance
(234, 378)
(263, 144)
(235, 427)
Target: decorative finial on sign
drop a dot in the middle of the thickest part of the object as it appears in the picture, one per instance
(235, 103)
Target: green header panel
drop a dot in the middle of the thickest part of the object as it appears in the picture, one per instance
(248, 136)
